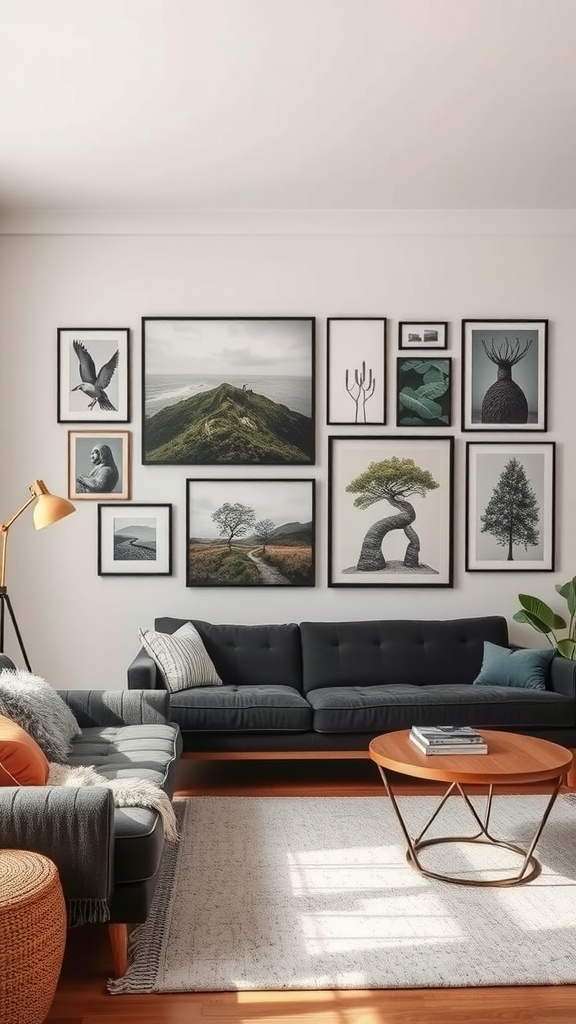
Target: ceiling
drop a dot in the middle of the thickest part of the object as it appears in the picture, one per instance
(287, 104)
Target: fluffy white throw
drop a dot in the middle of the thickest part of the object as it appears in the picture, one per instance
(126, 792)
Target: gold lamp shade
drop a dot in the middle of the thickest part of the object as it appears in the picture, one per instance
(49, 507)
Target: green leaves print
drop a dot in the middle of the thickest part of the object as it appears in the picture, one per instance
(423, 392)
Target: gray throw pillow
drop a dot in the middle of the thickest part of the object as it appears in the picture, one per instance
(36, 707)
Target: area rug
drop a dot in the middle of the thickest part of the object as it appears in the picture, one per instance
(316, 892)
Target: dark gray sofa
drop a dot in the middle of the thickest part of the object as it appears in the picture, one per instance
(333, 686)
(108, 857)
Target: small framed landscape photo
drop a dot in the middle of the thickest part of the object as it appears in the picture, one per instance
(423, 391)
(98, 464)
(504, 375)
(93, 375)
(356, 370)
(390, 511)
(227, 390)
(422, 334)
(250, 533)
(135, 540)
(510, 506)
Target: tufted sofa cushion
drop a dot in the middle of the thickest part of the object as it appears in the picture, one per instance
(248, 655)
(397, 652)
(132, 752)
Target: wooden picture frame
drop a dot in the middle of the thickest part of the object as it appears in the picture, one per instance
(98, 465)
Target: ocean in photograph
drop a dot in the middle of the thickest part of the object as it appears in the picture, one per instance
(165, 389)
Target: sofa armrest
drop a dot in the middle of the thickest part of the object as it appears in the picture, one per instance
(144, 674)
(562, 676)
(72, 826)
(118, 707)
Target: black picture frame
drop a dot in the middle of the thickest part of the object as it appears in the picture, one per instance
(196, 411)
(505, 375)
(85, 358)
(142, 546)
(412, 556)
(422, 334)
(511, 490)
(423, 391)
(275, 515)
(356, 370)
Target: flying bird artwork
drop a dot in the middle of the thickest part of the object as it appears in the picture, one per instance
(94, 385)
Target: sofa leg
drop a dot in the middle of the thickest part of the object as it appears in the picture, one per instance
(119, 944)
(571, 773)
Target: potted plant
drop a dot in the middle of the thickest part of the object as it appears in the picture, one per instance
(540, 616)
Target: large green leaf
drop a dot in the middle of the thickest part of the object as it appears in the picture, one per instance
(417, 365)
(568, 591)
(435, 390)
(540, 610)
(411, 421)
(423, 407)
(567, 648)
(531, 620)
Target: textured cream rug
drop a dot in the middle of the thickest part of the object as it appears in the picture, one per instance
(315, 892)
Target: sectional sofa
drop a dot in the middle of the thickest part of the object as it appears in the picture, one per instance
(325, 687)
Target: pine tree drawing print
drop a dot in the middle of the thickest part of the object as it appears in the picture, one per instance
(512, 514)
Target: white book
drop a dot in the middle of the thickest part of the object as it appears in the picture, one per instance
(429, 735)
(449, 749)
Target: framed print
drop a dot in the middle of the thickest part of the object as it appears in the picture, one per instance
(250, 533)
(235, 391)
(98, 464)
(390, 511)
(356, 370)
(423, 391)
(93, 375)
(135, 540)
(510, 506)
(504, 369)
(422, 334)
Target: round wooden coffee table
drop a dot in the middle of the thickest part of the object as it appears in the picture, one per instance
(511, 760)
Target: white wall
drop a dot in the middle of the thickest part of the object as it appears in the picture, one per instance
(80, 629)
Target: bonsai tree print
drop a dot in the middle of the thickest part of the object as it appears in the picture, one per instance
(512, 514)
(393, 480)
(361, 390)
(505, 402)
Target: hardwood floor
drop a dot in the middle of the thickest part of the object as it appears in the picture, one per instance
(81, 997)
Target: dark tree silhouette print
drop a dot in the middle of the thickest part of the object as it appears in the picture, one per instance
(504, 401)
(512, 513)
(393, 480)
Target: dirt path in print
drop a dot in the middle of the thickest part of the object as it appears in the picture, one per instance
(267, 572)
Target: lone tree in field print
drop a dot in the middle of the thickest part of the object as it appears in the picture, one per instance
(263, 531)
(393, 480)
(234, 520)
(512, 513)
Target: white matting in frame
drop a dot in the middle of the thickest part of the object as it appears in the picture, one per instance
(135, 539)
(356, 363)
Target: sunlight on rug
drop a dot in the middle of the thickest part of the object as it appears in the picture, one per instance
(316, 892)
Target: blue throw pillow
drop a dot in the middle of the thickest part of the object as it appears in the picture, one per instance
(503, 667)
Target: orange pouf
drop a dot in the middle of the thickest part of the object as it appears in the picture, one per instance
(32, 936)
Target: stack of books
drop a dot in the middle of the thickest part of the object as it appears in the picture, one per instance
(448, 739)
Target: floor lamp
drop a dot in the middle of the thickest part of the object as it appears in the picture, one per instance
(49, 509)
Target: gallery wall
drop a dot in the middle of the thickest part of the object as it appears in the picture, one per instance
(81, 629)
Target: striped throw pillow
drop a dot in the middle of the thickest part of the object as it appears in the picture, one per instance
(181, 656)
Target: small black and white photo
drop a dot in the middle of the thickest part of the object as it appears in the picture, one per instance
(93, 375)
(510, 506)
(98, 465)
(135, 540)
(422, 334)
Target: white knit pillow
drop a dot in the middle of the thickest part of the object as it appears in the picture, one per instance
(181, 656)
